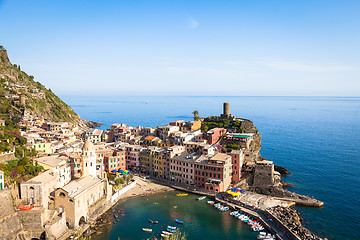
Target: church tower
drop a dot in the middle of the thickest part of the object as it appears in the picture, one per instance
(89, 159)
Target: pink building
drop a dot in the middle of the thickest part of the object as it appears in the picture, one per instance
(75, 165)
(237, 157)
(132, 157)
(182, 167)
(112, 159)
(170, 153)
(213, 172)
(213, 136)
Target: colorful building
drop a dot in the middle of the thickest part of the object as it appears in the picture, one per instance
(114, 160)
(57, 164)
(241, 139)
(182, 167)
(44, 147)
(237, 158)
(132, 156)
(194, 125)
(214, 173)
(214, 135)
(75, 165)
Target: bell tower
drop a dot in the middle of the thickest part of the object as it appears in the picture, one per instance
(89, 159)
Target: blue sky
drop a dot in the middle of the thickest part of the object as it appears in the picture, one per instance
(271, 48)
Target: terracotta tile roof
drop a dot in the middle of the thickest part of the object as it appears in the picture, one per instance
(150, 138)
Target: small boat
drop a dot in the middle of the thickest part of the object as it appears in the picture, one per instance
(182, 194)
(153, 222)
(171, 230)
(201, 198)
(265, 236)
(25, 207)
(171, 227)
(164, 235)
(147, 229)
(179, 221)
(210, 202)
(167, 233)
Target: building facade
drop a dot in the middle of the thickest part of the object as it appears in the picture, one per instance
(214, 173)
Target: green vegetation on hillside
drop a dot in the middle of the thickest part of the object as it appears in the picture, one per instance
(41, 101)
(244, 126)
(16, 85)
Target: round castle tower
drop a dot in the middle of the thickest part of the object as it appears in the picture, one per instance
(89, 159)
(226, 109)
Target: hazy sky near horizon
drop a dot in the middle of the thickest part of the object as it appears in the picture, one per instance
(245, 48)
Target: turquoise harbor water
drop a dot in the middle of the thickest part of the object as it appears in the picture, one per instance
(316, 138)
(201, 221)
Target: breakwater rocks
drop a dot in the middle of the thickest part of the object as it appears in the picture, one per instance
(283, 171)
(290, 218)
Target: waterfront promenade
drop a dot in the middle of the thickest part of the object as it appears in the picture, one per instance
(273, 228)
(257, 206)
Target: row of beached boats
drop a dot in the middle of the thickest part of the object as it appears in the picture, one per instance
(169, 230)
(255, 225)
(218, 206)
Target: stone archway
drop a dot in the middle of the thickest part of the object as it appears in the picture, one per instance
(82, 221)
(43, 236)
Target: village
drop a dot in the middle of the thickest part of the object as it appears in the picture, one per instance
(85, 171)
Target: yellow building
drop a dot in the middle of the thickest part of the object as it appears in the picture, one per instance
(158, 157)
(44, 147)
(194, 125)
(152, 161)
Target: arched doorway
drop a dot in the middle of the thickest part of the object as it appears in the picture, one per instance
(31, 195)
(81, 221)
(43, 236)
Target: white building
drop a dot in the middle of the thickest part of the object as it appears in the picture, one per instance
(2, 180)
(93, 135)
(57, 164)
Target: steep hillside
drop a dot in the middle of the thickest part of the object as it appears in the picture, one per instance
(19, 93)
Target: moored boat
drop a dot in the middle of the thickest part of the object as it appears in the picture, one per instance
(171, 230)
(179, 221)
(147, 229)
(182, 194)
(201, 198)
(153, 221)
(210, 202)
(165, 232)
(171, 227)
(164, 235)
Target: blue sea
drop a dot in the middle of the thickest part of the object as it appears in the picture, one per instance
(316, 138)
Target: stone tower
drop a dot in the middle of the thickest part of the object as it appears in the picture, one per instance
(89, 160)
(22, 99)
(226, 109)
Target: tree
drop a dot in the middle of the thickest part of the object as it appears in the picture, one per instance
(118, 181)
(121, 180)
(196, 115)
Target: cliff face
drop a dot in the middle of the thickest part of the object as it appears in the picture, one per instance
(19, 93)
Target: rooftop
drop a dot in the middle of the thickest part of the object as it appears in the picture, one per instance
(43, 177)
(220, 157)
(52, 161)
(187, 157)
(77, 187)
(150, 138)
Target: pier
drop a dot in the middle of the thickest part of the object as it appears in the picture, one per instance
(274, 225)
